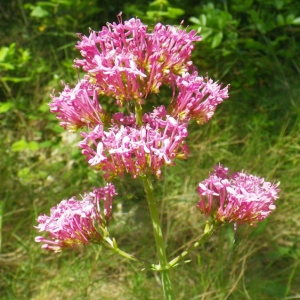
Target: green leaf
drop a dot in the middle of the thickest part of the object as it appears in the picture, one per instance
(290, 19)
(296, 21)
(49, 4)
(252, 44)
(24, 173)
(280, 20)
(23, 144)
(175, 12)
(19, 145)
(226, 52)
(57, 128)
(5, 107)
(16, 79)
(33, 146)
(278, 4)
(44, 107)
(159, 3)
(154, 13)
(39, 12)
(46, 144)
(217, 39)
(3, 53)
(241, 6)
(12, 49)
(7, 66)
(25, 55)
(195, 20)
(203, 20)
(206, 32)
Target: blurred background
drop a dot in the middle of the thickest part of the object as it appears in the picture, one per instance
(254, 46)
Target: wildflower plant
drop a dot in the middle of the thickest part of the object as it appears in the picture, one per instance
(128, 63)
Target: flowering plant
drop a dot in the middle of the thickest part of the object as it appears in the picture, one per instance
(126, 62)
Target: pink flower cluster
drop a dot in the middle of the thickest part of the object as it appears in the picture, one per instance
(239, 198)
(78, 107)
(73, 222)
(135, 149)
(126, 62)
(197, 98)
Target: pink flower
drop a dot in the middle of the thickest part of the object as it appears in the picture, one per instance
(198, 98)
(78, 107)
(238, 198)
(126, 62)
(73, 222)
(136, 150)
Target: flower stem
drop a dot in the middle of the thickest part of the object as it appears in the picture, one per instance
(138, 114)
(209, 229)
(111, 244)
(163, 267)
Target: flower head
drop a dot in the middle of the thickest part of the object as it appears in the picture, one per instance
(126, 62)
(239, 198)
(133, 149)
(78, 107)
(73, 222)
(197, 98)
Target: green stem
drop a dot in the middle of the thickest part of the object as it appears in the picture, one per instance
(159, 240)
(138, 113)
(111, 244)
(126, 255)
(209, 229)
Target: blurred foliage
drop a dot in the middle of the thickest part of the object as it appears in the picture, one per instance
(254, 42)
(253, 45)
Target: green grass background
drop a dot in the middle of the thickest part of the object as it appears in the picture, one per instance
(254, 46)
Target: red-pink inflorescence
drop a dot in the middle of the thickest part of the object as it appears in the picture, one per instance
(198, 98)
(73, 222)
(78, 107)
(133, 149)
(127, 62)
(239, 198)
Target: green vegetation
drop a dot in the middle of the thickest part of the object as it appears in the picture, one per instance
(253, 45)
